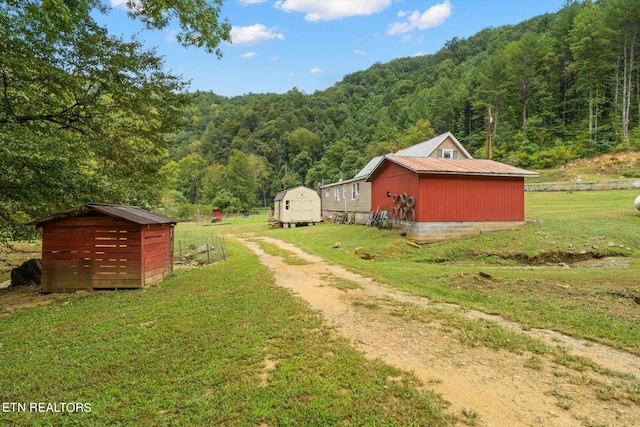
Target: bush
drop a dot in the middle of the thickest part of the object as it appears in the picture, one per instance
(548, 158)
(185, 212)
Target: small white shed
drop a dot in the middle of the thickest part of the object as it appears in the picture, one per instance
(297, 206)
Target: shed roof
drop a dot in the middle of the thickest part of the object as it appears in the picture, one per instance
(133, 214)
(283, 193)
(426, 148)
(456, 166)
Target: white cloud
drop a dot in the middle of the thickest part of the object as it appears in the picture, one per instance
(360, 52)
(290, 75)
(406, 38)
(254, 34)
(327, 10)
(415, 20)
(170, 35)
(273, 59)
(250, 2)
(248, 55)
(315, 70)
(122, 4)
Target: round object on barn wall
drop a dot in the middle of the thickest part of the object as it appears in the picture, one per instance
(637, 203)
(394, 213)
(411, 201)
(395, 198)
(403, 198)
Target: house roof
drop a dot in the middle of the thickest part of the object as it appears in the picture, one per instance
(455, 166)
(361, 175)
(133, 214)
(368, 168)
(426, 148)
(422, 149)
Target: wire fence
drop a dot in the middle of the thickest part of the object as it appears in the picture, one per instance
(199, 250)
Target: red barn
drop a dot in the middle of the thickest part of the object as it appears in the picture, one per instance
(434, 198)
(105, 247)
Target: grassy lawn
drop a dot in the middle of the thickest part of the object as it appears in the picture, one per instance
(217, 345)
(521, 275)
(221, 345)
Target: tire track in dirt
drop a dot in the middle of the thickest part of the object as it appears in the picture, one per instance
(494, 384)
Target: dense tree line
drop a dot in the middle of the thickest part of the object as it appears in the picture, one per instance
(85, 116)
(559, 86)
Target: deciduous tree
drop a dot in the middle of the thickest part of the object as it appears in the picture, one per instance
(83, 114)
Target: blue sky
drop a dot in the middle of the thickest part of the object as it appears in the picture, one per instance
(313, 44)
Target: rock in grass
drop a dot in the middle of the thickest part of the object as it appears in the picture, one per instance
(29, 273)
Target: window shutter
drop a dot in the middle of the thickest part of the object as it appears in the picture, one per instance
(439, 153)
(455, 154)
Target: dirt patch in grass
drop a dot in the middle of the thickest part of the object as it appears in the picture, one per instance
(18, 297)
(610, 298)
(581, 259)
(559, 384)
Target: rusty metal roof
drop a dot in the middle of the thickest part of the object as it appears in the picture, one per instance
(133, 214)
(458, 166)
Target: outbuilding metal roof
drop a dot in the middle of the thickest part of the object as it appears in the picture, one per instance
(457, 166)
(133, 214)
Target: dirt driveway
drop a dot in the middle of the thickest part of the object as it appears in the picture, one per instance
(484, 387)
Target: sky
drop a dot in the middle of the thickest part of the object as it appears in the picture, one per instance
(312, 44)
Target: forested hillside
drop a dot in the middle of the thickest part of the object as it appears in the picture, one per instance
(87, 117)
(558, 87)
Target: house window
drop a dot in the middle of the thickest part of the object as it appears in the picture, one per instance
(286, 205)
(327, 193)
(344, 191)
(447, 153)
(336, 193)
(355, 191)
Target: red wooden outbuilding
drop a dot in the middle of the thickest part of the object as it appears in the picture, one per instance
(434, 198)
(105, 247)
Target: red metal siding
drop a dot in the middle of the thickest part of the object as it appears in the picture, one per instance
(392, 179)
(456, 198)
